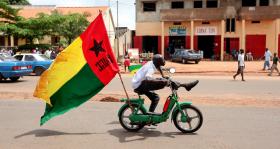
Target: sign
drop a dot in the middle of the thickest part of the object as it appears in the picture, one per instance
(206, 30)
(177, 30)
(133, 53)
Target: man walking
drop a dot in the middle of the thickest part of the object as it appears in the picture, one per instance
(241, 65)
(267, 56)
(274, 65)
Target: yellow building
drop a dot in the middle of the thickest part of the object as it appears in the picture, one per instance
(216, 27)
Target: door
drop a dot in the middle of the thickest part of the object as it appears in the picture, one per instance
(256, 44)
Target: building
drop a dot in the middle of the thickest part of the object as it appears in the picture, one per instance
(32, 12)
(125, 42)
(217, 27)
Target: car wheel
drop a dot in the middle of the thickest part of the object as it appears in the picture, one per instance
(14, 78)
(196, 62)
(1, 77)
(184, 61)
(38, 71)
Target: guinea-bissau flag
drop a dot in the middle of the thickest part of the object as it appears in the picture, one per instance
(134, 68)
(78, 72)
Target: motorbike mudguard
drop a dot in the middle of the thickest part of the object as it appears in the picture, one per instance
(176, 108)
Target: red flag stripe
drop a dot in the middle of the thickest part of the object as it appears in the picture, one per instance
(98, 52)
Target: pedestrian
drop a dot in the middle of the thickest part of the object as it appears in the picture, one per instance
(126, 62)
(274, 64)
(267, 56)
(53, 54)
(48, 53)
(241, 65)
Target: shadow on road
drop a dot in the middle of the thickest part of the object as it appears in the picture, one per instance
(125, 136)
(47, 133)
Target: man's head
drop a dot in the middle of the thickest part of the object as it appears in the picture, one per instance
(266, 49)
(241, 51)
(275, 54)
(158, 60)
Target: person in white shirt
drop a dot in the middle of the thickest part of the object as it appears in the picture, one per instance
(267, 56)
(48, 53)
(144, 83)
(241, 65)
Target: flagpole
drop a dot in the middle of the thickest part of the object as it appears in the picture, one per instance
(128, 100)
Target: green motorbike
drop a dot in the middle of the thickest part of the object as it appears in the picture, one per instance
(133, 115)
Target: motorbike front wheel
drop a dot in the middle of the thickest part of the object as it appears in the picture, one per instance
(189, 120)
(124, 119)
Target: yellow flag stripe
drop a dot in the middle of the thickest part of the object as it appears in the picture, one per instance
(66, 65)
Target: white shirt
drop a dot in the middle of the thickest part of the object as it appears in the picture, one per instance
(267, 55)
(145, 72)
(241, 59)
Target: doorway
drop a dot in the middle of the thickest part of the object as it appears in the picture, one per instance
(206, 44)
(150, 44)
(178, 42)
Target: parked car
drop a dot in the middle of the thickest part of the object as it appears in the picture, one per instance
(12, 68)
(39, 62)
(185, 55)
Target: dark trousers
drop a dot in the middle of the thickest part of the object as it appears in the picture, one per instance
(147, 87)
(240, 70)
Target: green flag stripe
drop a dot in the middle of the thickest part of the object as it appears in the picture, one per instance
(73, 93)
(134, 67)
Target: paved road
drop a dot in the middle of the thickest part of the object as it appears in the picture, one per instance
(95, 125)
(215, 90)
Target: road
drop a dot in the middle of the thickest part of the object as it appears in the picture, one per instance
(95, 125)
(214, 90)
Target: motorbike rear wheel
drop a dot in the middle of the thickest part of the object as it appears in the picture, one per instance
(188, 122)
(124, 119)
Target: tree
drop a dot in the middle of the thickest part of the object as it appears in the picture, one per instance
(17, 2)
(70, 26)
(7, 13)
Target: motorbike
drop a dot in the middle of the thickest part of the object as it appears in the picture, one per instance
(133, 115)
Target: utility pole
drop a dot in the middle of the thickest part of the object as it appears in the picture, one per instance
(117, 28)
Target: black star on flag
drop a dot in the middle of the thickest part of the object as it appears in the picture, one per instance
(97, 47)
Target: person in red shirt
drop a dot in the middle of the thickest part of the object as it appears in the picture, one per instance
(126, 62)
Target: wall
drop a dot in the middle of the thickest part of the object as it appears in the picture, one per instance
(266, 27)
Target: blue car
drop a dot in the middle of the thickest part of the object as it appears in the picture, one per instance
(12, 68)
(39, 62)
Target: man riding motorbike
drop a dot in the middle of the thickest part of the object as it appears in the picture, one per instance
(144, 83)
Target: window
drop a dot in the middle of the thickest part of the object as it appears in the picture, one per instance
(230, 25)
(256, 22)
(264, 2)
(29, 58)
(205, 22)
(149, 6)
(249, 3)
(19, 57)
(212, 4)
(2, 41)
(177, 5)
(177, 23)
(197, 4)
(233, 25)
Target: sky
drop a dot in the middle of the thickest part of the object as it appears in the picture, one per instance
(126, 8)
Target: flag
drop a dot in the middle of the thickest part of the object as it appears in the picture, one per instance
(78, 72)
(134, 68)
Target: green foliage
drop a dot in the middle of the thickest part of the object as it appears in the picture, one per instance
(69, 26)
(17, 2)
(7, 13)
